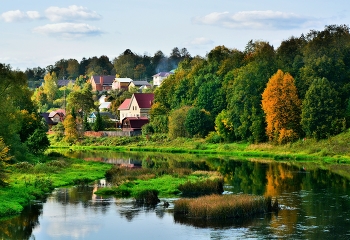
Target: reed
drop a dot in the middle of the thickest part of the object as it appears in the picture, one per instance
(222, 206)
(200, 188)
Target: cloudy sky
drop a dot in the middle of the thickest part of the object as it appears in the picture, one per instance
(39, 33)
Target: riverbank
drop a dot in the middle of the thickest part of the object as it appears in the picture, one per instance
(332, 150)
(28, 182)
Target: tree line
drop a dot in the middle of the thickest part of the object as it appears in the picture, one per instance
(300, 89)
(127, 64)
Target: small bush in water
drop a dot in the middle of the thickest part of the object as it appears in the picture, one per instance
(222, 206)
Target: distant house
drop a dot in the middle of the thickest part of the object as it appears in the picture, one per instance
(140, 85)
(54, 117)
(102, 82)
(138, 105)
(159, 77)
(134, 123)
(121, 83)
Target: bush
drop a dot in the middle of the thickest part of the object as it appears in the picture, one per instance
(147, 197)
(200, 188)
(213, 137)
(38, 142)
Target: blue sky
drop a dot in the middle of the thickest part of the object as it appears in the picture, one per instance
(39, 33)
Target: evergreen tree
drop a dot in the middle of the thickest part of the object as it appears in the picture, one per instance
(98, 124)
(38, 142)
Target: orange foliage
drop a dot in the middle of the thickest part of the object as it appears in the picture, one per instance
(282, 108)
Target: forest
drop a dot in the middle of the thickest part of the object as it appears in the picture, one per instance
(296, 91)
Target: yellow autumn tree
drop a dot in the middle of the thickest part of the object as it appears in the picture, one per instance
(70, 129)
(282, 108)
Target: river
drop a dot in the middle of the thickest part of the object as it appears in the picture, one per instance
(314, 202)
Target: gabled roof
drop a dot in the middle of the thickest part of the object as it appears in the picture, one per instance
(125, 105)
(144, 100)
(162, 74)
(107, 79)
(47, 118)
(60, 112)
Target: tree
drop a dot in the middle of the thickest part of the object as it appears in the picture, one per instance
(198, 122)
(50, 86)
(98, 124)
(320, 116)
(70, 129)
(177, 120)
(4, 157)
(224, 127)
(38, 142)
(282, 108)
(81, 100)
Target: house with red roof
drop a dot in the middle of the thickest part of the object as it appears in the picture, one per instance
(102, 82)
(137, 106)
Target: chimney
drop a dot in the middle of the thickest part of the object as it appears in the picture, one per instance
(101, 81)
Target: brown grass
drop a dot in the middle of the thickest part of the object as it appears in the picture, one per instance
(221, 206)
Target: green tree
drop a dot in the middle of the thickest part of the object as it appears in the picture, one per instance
(38, 142)
(224, 126)
(282, 108)
(198, 122)
(177, 120)
(98, 124)
(50, 86)
(320, 117)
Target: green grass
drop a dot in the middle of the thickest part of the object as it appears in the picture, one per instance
(33, 181)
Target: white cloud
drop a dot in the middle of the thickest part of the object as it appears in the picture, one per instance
(200, 41)
(72, 13)
(68, 30)
(17, 15)
(255, 20)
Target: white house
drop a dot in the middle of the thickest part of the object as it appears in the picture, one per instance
(138, 105)
(159, 77)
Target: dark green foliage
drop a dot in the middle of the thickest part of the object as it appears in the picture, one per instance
(98, 124)
(198, 122)
(320, 110)
(147, 129)
(38, 142)
(147, 197)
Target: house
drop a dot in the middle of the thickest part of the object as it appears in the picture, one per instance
(134, 123)
(57, 115)
(101, 82)
(140, 85)
(121, 83)
(138, 105)
(105, 115)
(159, 77)
(54, 117)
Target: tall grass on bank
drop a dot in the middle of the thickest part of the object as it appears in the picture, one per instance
(222, 206)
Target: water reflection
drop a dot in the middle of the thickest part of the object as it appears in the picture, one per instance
(314, 202)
